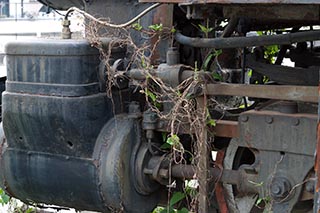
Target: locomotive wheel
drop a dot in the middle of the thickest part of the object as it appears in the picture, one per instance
(235, 157)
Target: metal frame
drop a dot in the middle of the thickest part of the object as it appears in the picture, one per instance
(269, 2)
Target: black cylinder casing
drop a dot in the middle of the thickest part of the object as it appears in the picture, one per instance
(56, 124)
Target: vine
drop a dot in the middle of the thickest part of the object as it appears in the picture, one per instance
(188, 109)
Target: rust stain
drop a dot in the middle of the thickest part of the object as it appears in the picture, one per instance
(163, 14)
(317, 163)
(224, 128)
(317, 159)
(219, 191)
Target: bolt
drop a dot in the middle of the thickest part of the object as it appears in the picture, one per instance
(295, 122)
(244, 118)
(310, 186)
(280, 188)
(276, 190)
(66, 33)
(269, 120)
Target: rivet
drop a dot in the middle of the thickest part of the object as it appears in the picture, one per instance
(244, 118)
(269, 120)
(295, 122)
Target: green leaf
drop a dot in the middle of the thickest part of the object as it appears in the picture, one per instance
(152, 96)
(137, 26)
(173, 140)
(4, 199)
(30, 210)
(165, 146)
(164, 136)
(217, 76)
(211, 122)
(259, 201)
(176, 197)
(205, 29)
(260, 33)
(156, 27)
(183, 210)
(158, 210)
(207, 61)
(202, 28)
(256, 184)
(217, 52)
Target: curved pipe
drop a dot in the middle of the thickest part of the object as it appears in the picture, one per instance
(107, 24)
(238, 42)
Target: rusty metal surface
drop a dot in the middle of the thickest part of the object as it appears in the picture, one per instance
(236, 1)
(164, 15)
(294, 133)
(224, 128)
(285, 145)
(317, 164)
(274, 12)
(277, 92)
(219, 190)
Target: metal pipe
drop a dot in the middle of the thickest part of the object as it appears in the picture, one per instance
(240, 42)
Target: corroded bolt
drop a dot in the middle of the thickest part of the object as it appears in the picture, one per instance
(295, 122)
(66, 33)
(269, 120)
(276, 189)
(310, 186)
(244, 118)
(280, 188)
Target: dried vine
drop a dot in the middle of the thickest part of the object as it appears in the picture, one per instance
(185, 110)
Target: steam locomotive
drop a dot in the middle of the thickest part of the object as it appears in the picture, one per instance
(68, 141)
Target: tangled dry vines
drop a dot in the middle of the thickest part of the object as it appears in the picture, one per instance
(185, 110)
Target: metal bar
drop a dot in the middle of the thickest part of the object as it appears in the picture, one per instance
(277, 92)
(268, 2)
(284, 74)
(224, 128)
(183, 171)
(316, 208)
(219, 189)
(214, 174)
(240, 42)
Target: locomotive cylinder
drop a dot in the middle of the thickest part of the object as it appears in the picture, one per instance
(59, 130)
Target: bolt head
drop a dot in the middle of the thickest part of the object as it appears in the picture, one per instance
(276, 189)
(280, 188)
(269, 120)
(295, 122)
(244, 118)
